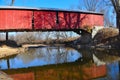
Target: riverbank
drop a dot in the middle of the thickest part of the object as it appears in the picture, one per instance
(34, 45)
(106, 38)
(7, 51)
(9, 48)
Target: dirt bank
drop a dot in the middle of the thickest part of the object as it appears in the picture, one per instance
(7, 51)
(8, 48)
(33, 45)
(107, 37)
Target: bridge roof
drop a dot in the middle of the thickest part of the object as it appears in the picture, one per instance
(47, 9)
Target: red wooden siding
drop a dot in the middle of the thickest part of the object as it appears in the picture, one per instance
(47, 20)
(69, 20)
(44, 20)
(66, 20)
(15, 19)
(91, 20)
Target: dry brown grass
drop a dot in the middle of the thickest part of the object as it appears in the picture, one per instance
(7, 51)
(106, 33)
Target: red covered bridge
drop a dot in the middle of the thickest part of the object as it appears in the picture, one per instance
(42, 19)
(39, 19)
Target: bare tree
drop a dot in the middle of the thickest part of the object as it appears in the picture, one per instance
(25, 37)
(92, 5)
(57, 35)
(60, 35)
(47, 36)
(116, 5)
(12, 3)
(2, 36)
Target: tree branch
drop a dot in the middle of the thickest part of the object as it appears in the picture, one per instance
(115, 5)
(12, 3)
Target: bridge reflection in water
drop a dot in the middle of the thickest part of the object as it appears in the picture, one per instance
(62, 72)
(97, 65)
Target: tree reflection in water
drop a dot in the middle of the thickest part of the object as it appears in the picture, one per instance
(44, 56)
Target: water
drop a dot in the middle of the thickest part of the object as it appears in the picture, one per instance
(63, 63)
(41, 56)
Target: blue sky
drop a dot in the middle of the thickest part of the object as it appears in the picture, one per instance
(62, 4)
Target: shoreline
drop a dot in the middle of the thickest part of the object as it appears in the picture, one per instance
(9, 51)
(6, 51)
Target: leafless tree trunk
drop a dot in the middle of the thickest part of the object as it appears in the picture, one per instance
(116, 6)
(12, 3)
